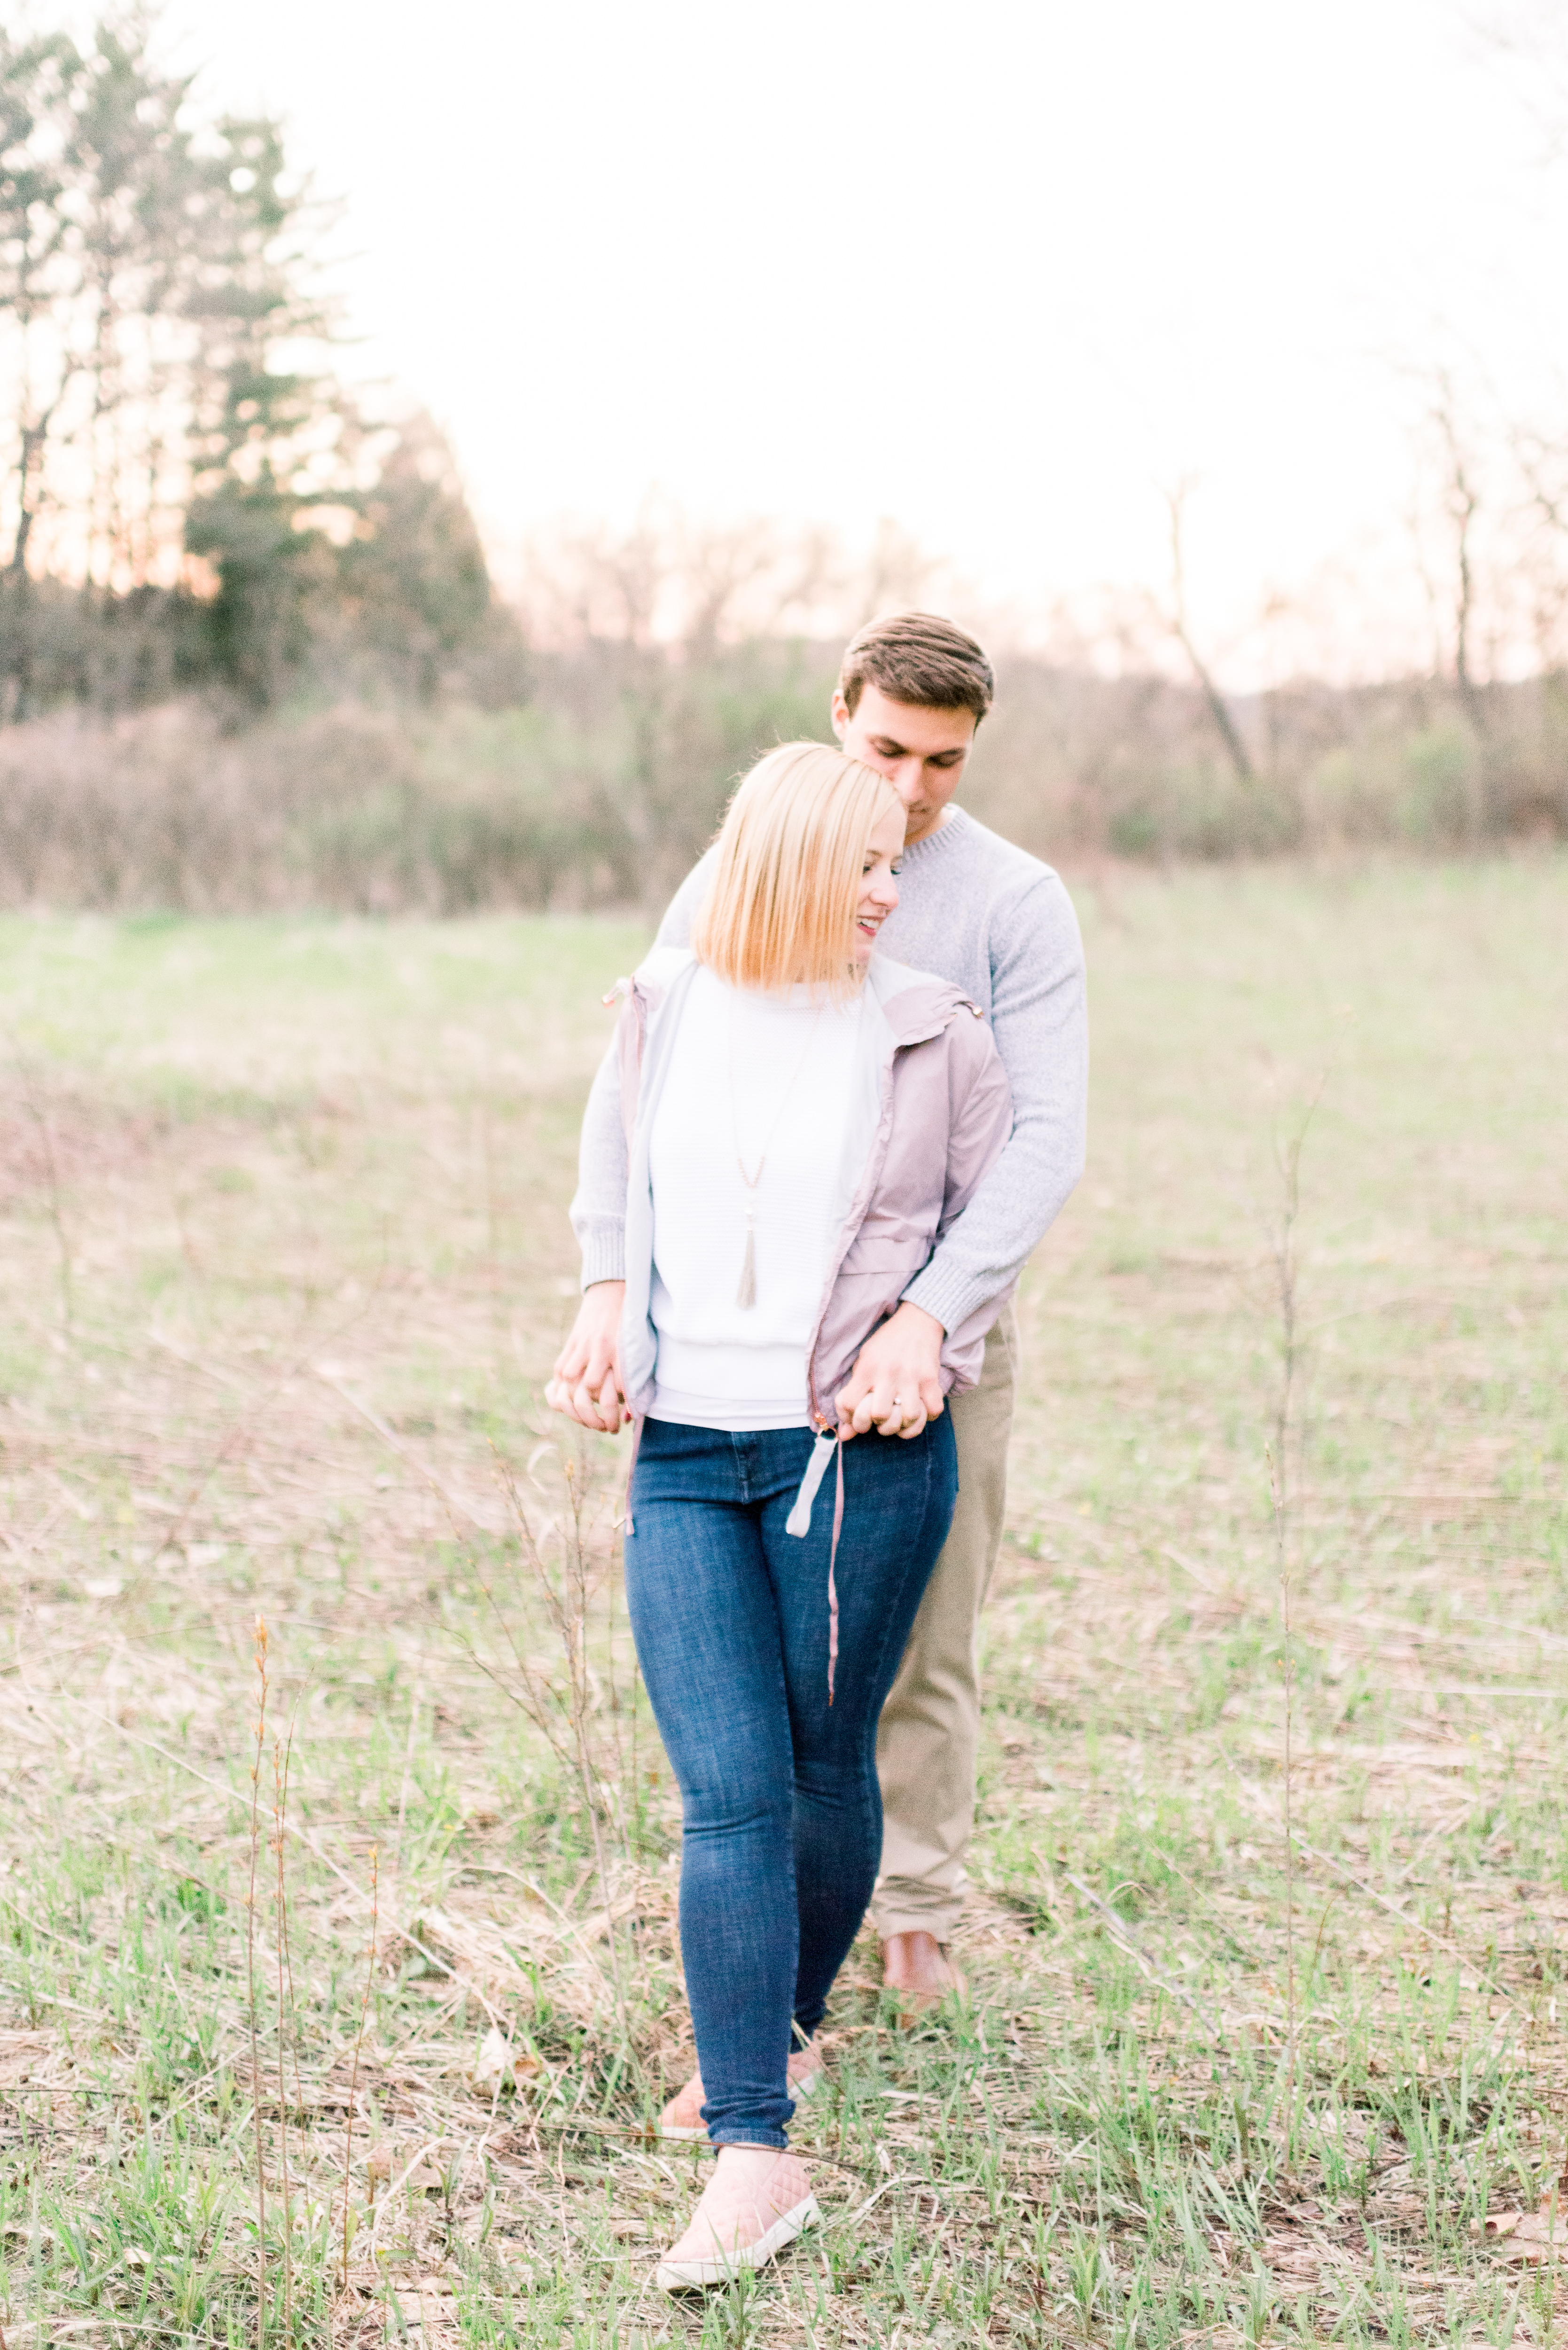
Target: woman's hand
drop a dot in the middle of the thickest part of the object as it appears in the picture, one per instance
(588, 1386)
(895, 1386)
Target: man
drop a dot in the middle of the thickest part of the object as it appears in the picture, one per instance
(998, 924)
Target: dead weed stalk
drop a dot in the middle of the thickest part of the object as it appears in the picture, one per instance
(35, 1102)
(358, 2046)
(281, 1755)
(566, 1574)
(1277, 1454)
(261, 1641)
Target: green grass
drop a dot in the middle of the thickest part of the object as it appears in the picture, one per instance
(283, 1262)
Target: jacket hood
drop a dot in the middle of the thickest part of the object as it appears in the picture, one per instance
(914, 1004)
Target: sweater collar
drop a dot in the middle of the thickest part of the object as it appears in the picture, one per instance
(958, 820)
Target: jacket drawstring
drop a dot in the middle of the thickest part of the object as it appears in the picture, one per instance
(798, 1523)
(832, 1587)
(626, 1526)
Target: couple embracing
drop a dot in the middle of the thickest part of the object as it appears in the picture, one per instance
(844, 1101)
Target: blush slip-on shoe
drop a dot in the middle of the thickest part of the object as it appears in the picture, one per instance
(713, 2252)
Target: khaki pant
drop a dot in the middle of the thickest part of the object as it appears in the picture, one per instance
(929, 1741)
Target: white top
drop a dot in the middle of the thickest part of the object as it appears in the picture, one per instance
(786, 1063)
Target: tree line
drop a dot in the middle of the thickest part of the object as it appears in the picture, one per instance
(190, 498)
(250, 652)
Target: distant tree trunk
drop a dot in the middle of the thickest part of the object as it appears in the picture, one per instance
(1229, 734)
(1463, 502)
(19, 616)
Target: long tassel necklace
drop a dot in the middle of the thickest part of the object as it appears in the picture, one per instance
(746, 1295)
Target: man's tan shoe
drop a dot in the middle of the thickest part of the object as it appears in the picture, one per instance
(757, 2201)
(917, 1967)
(682, 2117)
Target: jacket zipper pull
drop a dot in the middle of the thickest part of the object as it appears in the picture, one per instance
(799, 1519)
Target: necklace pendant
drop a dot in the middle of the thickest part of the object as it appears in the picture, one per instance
(746, 1295)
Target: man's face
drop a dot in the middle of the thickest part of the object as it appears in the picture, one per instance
(922, 751)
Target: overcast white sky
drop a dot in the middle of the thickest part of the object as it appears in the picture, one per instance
(994, 272)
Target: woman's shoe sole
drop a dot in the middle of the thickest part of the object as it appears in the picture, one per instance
(690, 2276)
(805, 2087)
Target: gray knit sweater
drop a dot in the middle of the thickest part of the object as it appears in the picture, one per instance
(978, 912)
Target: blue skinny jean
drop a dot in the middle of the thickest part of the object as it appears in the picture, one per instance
(783, 1815)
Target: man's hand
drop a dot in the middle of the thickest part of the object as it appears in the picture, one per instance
(896, 1385)
(588, 1385)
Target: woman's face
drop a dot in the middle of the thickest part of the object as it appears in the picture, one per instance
(878, 889)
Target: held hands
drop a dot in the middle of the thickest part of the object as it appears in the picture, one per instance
(896, 1385)
(588, 1385)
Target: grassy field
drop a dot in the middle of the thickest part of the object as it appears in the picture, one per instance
(1269, 1941)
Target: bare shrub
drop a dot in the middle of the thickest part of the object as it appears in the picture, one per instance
(604, 789)
(354, 810)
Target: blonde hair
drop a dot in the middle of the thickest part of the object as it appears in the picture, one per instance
(792, 853)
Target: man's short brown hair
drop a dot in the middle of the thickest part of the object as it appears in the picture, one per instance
(920, 659)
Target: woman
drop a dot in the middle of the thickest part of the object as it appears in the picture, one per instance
(805, 1119)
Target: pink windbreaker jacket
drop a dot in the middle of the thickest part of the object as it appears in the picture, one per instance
(929, 1111)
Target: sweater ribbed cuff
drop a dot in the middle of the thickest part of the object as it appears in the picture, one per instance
(604, 1253)
(943, 1290)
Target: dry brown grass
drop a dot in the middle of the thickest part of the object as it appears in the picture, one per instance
(305, 1186)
